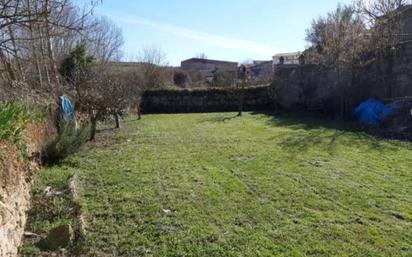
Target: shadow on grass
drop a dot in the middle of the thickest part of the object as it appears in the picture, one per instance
(307, 122)
(306, 131)
(220, 118)
(302, 142)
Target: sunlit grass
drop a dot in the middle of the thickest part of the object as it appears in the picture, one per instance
(258, 185)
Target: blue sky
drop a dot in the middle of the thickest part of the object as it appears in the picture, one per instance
(234, 30)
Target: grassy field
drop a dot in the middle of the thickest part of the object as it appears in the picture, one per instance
(212, 185)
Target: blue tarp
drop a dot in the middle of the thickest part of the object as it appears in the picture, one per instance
(67, 109)
(373, 112)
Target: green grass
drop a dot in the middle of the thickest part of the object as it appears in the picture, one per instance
(206, 185)
(49, 212)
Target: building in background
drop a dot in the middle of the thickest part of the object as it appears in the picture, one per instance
(208, 67)
(286, 58)
(260, 70)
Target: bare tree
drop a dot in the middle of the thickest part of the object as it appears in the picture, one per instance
(13, 16)
(152, 61)
(337, 36)
(235, 83)
(386, 24)
(339, 41)
(104, 40)
(150, 73)
(101, 89)
(201, 56)
(35, 35)
(241, 82)
(376, 9)
(103, 92)
(384, 19)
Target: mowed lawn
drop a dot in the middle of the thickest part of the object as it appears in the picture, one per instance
(258, 185)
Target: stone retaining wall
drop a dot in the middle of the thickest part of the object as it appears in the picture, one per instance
(16, 173)
(309, 87)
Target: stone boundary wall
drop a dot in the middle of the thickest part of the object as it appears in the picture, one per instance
(16, 175)
(314, 87)
(206, 100)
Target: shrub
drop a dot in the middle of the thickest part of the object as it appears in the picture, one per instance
(180, 78)
(74, 64)
(223, 79)
(68, 141)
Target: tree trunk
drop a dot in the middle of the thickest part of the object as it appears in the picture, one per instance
(240, 107)
(341, 98)
(139, 114)
(43, 56)
(33, 47)
(16, 55)
(93, 128)
(241, 98)
(11, 75)
(49, 45)
(117, 121)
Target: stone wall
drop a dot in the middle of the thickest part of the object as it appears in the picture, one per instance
(329, 93)
(16, 173)
(315, 87)
(206, 100)
(302, 86)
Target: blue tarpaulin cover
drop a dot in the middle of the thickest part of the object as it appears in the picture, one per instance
(67, 109)
(373, 112)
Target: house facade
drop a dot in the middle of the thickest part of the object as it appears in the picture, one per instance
(261, 70)
(208, 67)
(286, 58)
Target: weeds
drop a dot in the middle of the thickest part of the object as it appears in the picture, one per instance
(13, 120)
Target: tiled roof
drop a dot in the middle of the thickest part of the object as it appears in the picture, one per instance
(208, 61)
